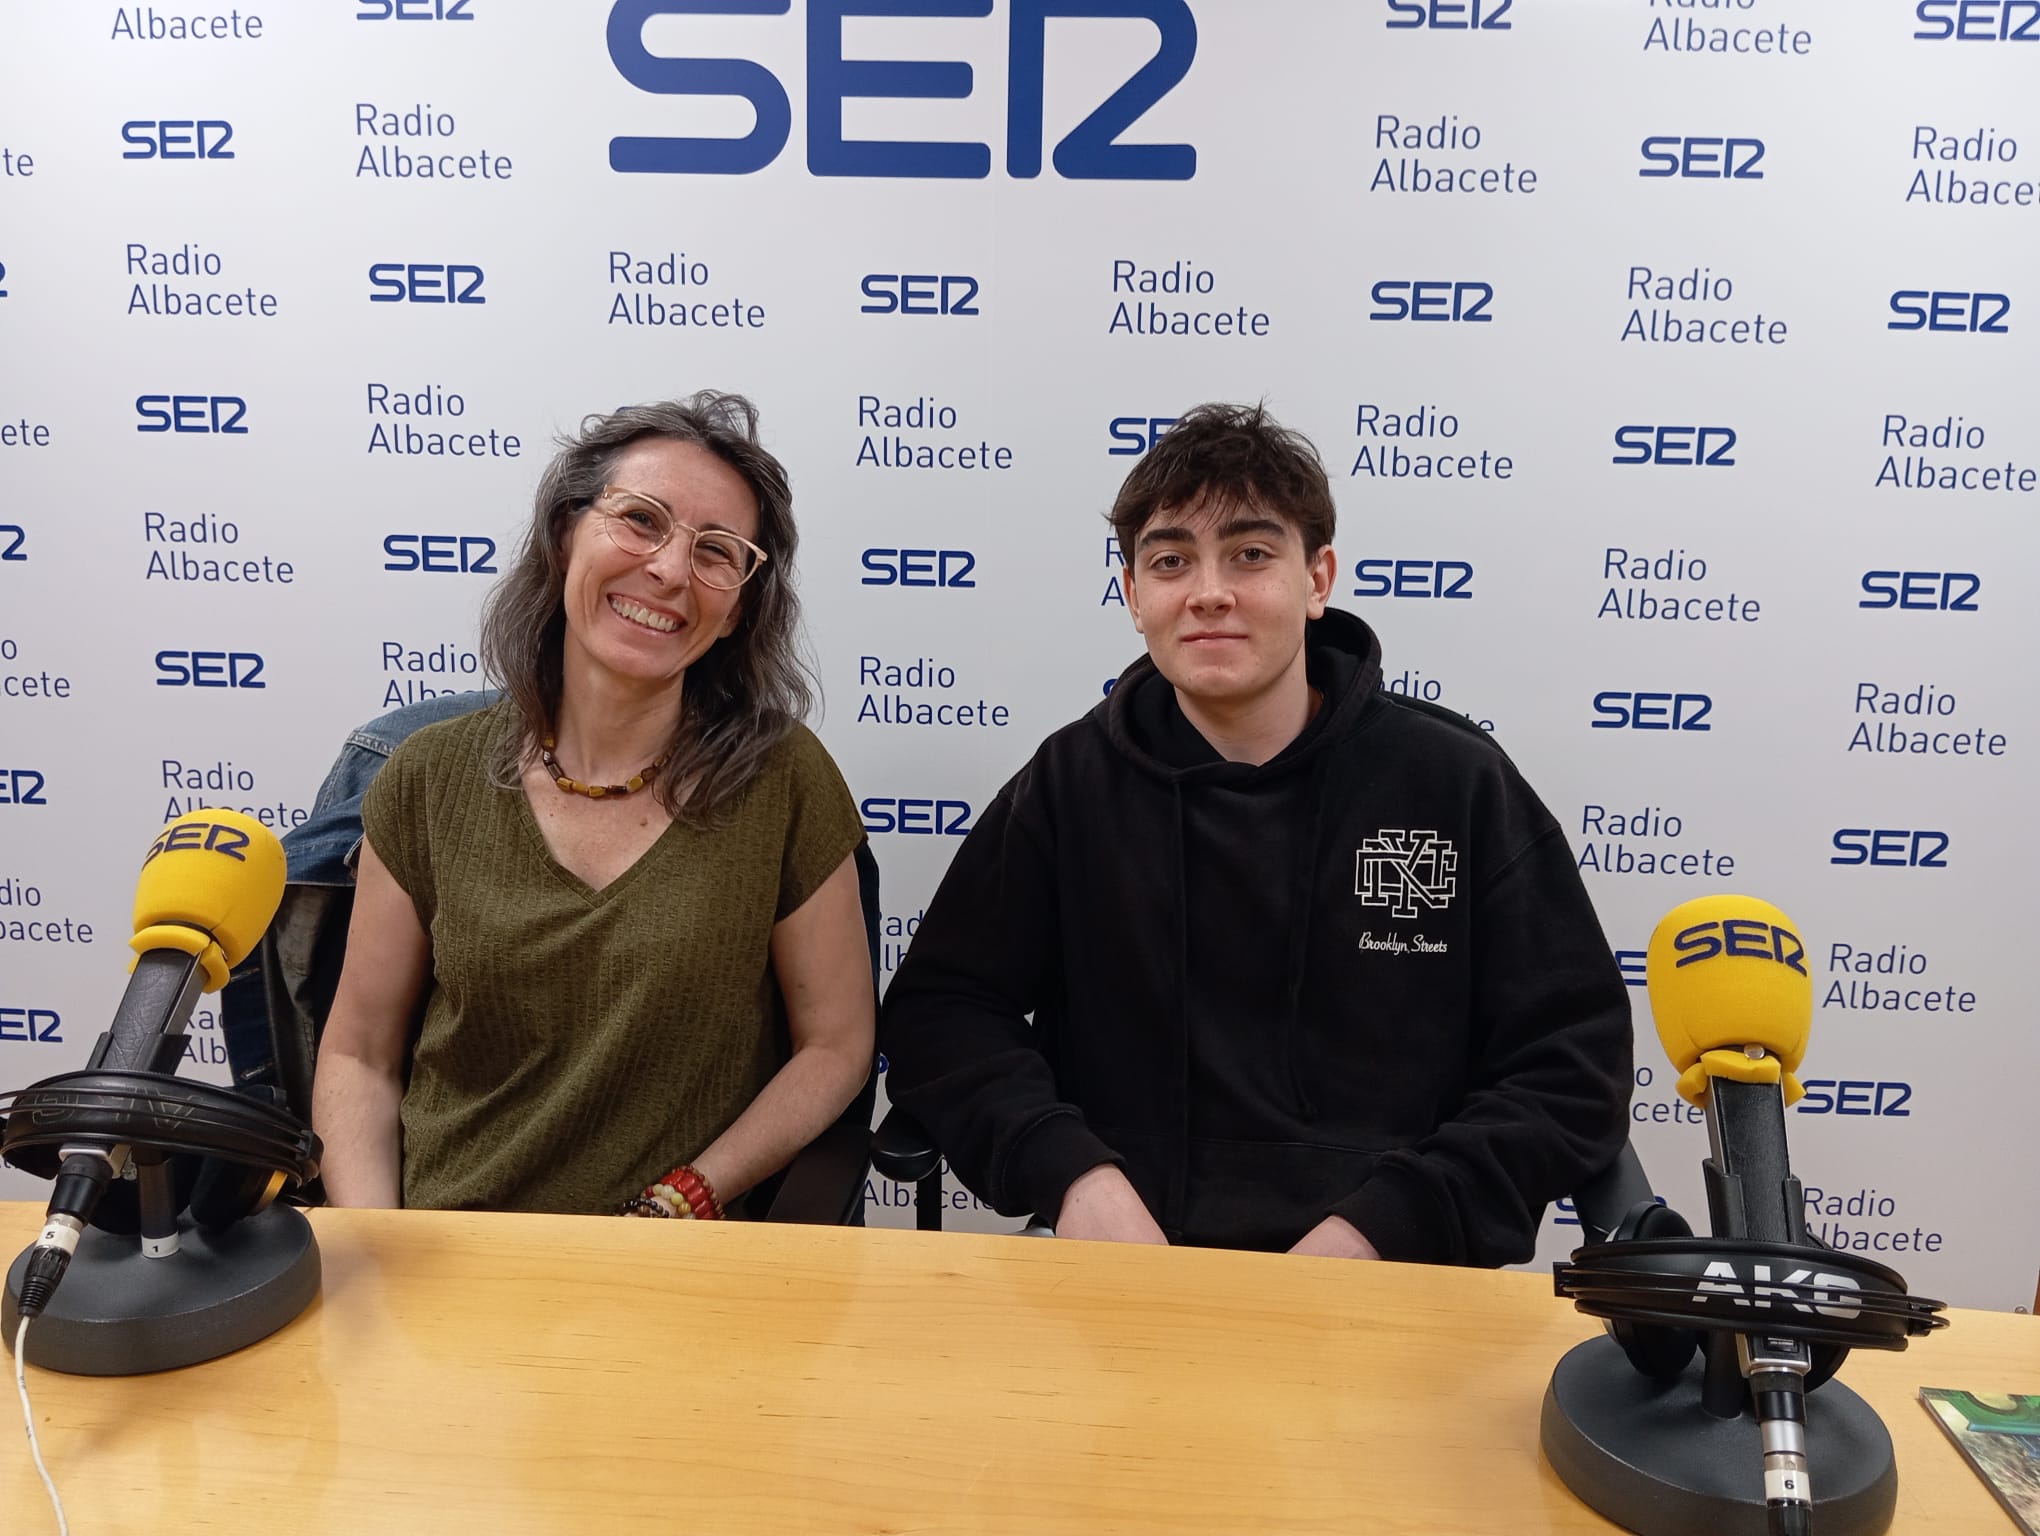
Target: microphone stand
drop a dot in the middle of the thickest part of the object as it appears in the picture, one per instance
(121, 1312)
(1753, 1193)
(1709, 1452)
(173, 1293)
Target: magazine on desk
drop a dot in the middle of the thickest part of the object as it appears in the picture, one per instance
(1998, 1434)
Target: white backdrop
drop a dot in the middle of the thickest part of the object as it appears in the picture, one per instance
(1448, 240)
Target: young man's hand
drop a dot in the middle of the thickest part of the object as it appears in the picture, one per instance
(1103, 1207)
(1336, 1238)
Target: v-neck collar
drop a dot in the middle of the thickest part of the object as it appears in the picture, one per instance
(594, 896)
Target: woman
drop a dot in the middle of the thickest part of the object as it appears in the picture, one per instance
(624, 896)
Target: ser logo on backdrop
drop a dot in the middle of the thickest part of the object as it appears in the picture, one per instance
(1089, 152)
(1921, 591)
(912, 817)
(1978, 21)
(22, 786)
(33, 1026)
(222, 414)
(1385, 577)
(414, 10)
(425, 282)
(179, 138)
(1693, 447)
(919, 568)
(919, 293)
(1132, 436)
(1619, 710)
(466, 553)
(1891, 847)
(209, 669)
(1950, 309)
(1450, 15)
(1856, 1096)
(1443, 299)
(1702, 157)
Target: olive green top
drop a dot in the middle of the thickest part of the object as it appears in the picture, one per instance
(578, 1043)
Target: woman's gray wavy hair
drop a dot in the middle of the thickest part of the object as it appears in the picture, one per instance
(741, 696)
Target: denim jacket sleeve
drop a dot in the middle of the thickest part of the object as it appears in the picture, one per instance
(323, 849)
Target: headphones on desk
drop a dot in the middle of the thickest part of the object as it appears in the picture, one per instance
(1660, 1289)
(1658, 1352)
(230, 1154)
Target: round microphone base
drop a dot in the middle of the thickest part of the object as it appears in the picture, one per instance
(119, 1313)
(1650, 1458)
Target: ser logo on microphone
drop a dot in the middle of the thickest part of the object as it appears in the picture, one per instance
(207, 836)
(1747, 937)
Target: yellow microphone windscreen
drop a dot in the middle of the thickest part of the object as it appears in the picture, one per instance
(1727, 972)
(210, 884)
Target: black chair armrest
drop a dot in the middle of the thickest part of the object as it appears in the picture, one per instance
(901, 1149)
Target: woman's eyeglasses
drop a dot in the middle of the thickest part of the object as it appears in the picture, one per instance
(640, 525)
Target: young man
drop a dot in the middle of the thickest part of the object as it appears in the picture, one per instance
(1309, 965)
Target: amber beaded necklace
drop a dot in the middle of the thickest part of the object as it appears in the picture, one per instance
(573, 786)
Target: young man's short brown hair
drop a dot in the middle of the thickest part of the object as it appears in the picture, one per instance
(1229, 456)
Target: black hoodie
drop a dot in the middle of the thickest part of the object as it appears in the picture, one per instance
(1362, 978)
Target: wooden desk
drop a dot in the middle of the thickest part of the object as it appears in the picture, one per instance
(495, 1374)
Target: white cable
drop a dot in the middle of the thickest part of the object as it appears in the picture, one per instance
(28, 1417)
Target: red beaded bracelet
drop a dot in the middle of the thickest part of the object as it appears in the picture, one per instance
(683, 1193)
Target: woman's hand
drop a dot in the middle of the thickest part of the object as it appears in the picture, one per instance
(358, 1085)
